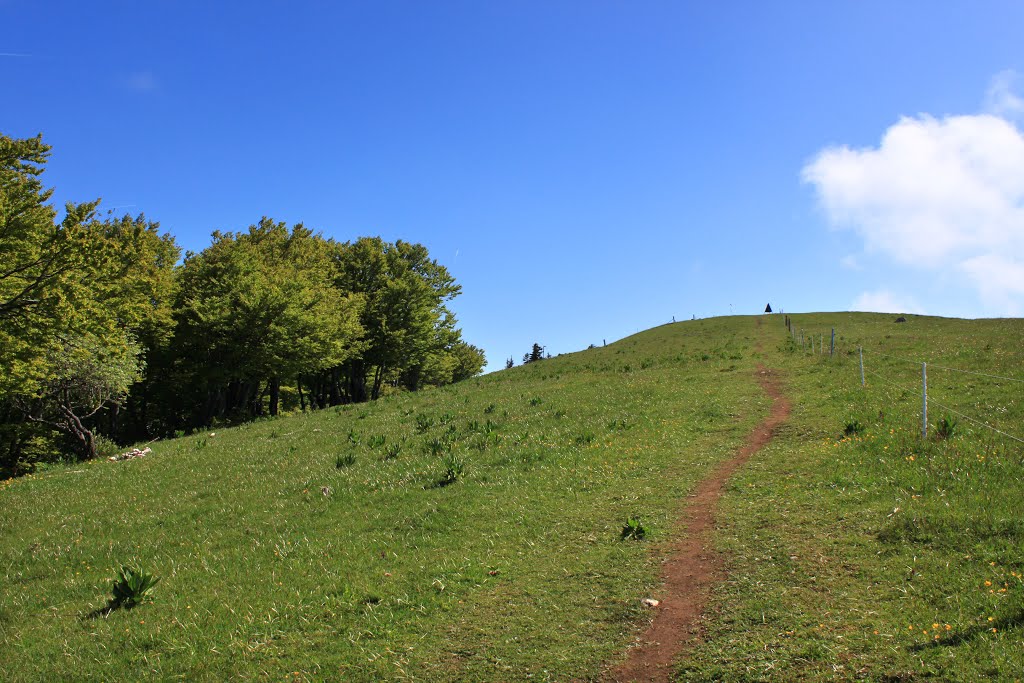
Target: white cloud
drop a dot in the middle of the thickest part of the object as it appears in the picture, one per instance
(999, 279)
(942, 195)
(884, 301)
(1000, 98)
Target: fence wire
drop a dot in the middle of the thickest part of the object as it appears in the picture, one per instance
(931, 401)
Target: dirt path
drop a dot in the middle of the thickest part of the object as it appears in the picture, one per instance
(692, 567)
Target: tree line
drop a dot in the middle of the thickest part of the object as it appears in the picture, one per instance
(107, 333)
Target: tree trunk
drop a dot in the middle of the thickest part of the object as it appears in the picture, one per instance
(378, 377)
(74, 425)
(302, 399)
(335, 387)
(275, 395)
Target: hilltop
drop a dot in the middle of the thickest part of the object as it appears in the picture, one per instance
(475, 531)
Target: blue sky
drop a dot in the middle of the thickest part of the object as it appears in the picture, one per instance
(585, 169)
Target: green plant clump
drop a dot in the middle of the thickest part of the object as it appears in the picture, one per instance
(853, 428)
(946, 427)
(633, 530)
(131, 587)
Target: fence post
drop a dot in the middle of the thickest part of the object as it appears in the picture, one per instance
(861, 349)
(832, 346)
(924, 400)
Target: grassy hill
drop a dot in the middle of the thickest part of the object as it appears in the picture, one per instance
(474, 532)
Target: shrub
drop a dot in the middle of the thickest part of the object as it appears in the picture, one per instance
(105, 447)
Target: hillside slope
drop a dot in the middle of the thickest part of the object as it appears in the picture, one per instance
(858, 550)
(470, 532)
(474, 532)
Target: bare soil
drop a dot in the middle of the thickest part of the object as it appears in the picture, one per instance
(692, 566)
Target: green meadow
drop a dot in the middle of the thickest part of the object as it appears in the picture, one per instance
(855, 549)
(475, 531)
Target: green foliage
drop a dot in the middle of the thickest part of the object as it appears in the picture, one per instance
(345, 460)
(454, 468)
(81, 302)
(131, 587)
(633, 530)
(438, 446)
(268, 319)
(536, 353)
(853, 428)
(618, 425)
(585, 439)
(946, 427)
(423, 423)
(392, 451)
(262, 306)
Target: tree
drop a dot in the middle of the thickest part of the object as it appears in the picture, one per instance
(85, 375)
(42, 266)
(469, 361)
(75, 298)
(535, 354)
(258, 308)
(405, 318)
(140, 274)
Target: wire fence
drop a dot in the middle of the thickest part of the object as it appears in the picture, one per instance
(820, 343)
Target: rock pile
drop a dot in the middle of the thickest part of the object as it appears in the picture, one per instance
(133, 453)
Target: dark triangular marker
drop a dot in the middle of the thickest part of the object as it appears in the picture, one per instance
(768, 308)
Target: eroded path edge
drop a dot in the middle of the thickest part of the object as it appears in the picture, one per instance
(693, 566)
